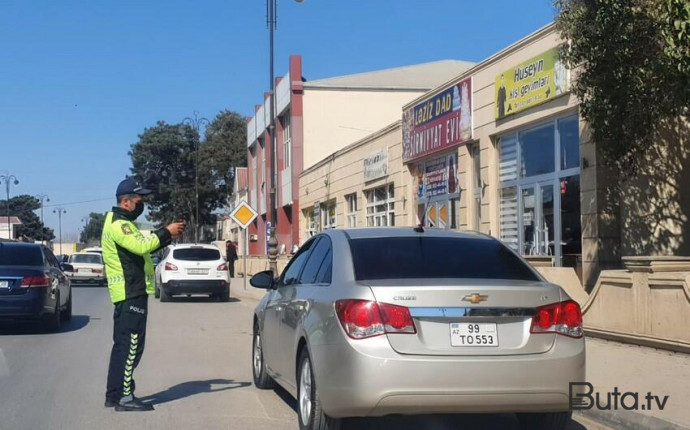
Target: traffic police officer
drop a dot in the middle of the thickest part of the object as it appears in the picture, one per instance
(130, 272)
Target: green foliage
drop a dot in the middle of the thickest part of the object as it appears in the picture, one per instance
(164, 160)
(23, 207)
(93, 230)
(631, 67)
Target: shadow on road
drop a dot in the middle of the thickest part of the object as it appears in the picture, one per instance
(428, 422)
(199, 299)
(10, 328)
(187, 389)
(88, 285)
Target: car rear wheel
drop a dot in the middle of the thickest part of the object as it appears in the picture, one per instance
(66, 314)
(262, 379)
(544, 421)
(164, 296)
(310, 414)
(54, 321)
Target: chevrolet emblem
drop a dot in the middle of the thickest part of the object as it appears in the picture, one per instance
(475, 298)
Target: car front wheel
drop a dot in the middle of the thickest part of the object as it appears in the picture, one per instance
(262, 379)
(310, 414)
(544, 421)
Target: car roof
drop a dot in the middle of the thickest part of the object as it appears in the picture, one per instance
(88, 253)
(378, 232)
(23, 244)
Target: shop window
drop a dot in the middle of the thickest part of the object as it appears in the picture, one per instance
(287, 139)
(509, 217)
(540, 201)
(351, 201)
(380, 209)
(568, 133)
(537, 151)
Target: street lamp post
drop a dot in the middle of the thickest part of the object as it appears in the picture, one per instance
(9, 179)
(272, 23)
(85, 220)
(43, 198)
(60, 211)
(195, 123)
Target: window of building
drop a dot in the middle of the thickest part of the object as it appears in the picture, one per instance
(328, 215)
(539, 172)
(351, 201)
(287, 140)
(310, 223)
(381, 206)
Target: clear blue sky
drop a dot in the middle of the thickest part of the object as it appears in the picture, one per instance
(79, 80)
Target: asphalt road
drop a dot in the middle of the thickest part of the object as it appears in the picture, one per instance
(196, 371)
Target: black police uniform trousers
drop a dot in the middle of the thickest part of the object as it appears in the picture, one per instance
(129, 336)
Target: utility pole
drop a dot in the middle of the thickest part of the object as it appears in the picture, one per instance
(9, 179)
(43, 198)
(60, 211)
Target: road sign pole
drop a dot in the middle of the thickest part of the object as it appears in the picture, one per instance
(246, 251)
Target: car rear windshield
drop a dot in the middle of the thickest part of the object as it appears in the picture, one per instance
(196, 254)
(85, 258)
(419, 257)
(20, 255)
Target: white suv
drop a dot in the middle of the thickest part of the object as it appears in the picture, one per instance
(188, 269)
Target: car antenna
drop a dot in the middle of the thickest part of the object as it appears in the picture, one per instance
(419, 228)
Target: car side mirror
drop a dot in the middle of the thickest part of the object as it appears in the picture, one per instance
(263, 280)
(67, 267)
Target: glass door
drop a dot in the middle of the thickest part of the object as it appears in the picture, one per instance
(538, 218)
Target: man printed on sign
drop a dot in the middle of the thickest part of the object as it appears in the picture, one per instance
(127, 257)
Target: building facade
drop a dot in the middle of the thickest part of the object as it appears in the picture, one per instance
(314, 119)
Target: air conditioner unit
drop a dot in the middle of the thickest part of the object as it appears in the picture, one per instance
(254, 237)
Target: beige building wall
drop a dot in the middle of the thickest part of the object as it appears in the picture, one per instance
(342, 173)
(331, 122)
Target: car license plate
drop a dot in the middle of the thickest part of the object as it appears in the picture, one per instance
(4, 284)
(197, 271)
(473, 334)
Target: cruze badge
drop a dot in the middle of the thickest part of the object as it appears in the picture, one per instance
(475, 298)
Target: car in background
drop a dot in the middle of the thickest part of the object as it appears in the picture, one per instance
(372, 322)
(33, 285)
(187, 269)
(96, 249)
(87, 267)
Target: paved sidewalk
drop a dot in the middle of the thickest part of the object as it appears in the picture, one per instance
(631, 368)
(643, 370)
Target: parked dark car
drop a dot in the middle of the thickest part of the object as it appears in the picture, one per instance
(33, 285)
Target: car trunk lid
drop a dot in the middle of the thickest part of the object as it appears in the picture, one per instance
(468, 317)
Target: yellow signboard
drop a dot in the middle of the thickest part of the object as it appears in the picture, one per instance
(243, 214)
(536, 81)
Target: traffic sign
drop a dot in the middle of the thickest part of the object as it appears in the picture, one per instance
(243, 214)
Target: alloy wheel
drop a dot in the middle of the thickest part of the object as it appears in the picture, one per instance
(305, 400)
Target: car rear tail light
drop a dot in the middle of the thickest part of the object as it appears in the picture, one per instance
(171, 267)
(365, 318)
(35, 281)
(222, 268)
(562, 318)
(97, 270)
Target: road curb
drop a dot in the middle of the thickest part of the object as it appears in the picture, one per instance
(629, 420)
(237, 290)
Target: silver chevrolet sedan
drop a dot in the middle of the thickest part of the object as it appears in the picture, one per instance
(378, 321)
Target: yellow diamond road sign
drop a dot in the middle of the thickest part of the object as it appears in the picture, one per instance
(243, 214)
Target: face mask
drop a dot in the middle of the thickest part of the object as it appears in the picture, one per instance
(138, 209)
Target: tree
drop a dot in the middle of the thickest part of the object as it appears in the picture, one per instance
(93, 230)
(23, 207)
(224, 149)
(163, 159)
(632, 61)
